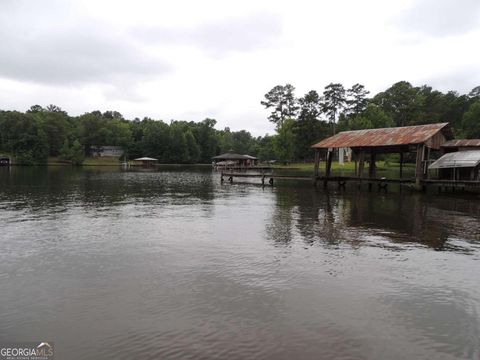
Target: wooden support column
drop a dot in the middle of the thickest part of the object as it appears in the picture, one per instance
(419, 164)
(316, 171)
(427, 164)
(401, 165)
(328, 164)
(371, 169)
(356, 163)
(361, 163)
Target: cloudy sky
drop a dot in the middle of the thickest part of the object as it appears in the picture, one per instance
(188, 59)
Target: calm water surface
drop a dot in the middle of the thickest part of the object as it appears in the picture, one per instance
(174, 265)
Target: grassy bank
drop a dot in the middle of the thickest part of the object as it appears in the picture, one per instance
(346, 167)
(89, 161)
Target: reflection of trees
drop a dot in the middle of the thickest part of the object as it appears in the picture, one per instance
(42, 187)
(352, 217)
(279, 230)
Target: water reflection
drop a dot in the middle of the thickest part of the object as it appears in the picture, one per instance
(358, 217)
(174, 264)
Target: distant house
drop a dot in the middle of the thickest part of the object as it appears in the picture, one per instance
(110, 151)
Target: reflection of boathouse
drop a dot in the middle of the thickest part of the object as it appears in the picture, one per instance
(231, 160)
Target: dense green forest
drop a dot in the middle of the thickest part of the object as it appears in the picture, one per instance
(41, 132)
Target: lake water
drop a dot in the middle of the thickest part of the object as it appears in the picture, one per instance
(174, 265)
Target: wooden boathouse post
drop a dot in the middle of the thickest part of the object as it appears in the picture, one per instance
(316, 169)
(361, 163)
(401, 164)
(371, 168)
(419, 164)
(328, 166)
(317, 163)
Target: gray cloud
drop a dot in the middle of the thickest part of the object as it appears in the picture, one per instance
(441, 17)
(244, 33)
(49, 51)
(461, 79)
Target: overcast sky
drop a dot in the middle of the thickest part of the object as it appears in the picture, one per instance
(188, 60)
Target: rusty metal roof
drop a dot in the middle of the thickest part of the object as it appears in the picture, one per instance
(462, 143)
(397, 136)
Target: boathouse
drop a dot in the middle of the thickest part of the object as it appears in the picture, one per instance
(460, 162)
(233, 160)
(458, 166)
(367, 144)
(461, 145)
(145, 161)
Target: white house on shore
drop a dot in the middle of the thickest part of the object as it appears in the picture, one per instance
(110, 151)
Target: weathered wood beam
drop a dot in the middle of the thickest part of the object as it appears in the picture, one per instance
(371, 168)
(316, 172)
(401, 164)
(328, 165)
(361, 163)
(419, 164)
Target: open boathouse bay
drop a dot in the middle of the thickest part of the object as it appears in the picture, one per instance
(172, 264)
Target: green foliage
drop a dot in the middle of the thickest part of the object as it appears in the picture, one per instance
(377, 117)
(471, 121)
(23, 135)
(65, 152)
(206, 136)
(402, 102)
(49, 131)
(283, 143)
(308, 128)
(194, 151)
(334, 100)
(356, 100)
(281, 99)
(74, 154)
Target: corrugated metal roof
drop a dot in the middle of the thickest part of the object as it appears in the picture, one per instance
(462, 143)
(145, 159)
(231, 156)
(397, 136)
(457, 160)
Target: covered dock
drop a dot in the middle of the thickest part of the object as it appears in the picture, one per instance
(461, 145)
(231, 160)
(145, 161)
(458, 166)
(367, 144)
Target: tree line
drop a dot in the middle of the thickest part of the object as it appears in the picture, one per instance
(302, 121)
(42, 132)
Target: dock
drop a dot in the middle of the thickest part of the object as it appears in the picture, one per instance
(455, 170)
(341, 180)
(382, 183)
